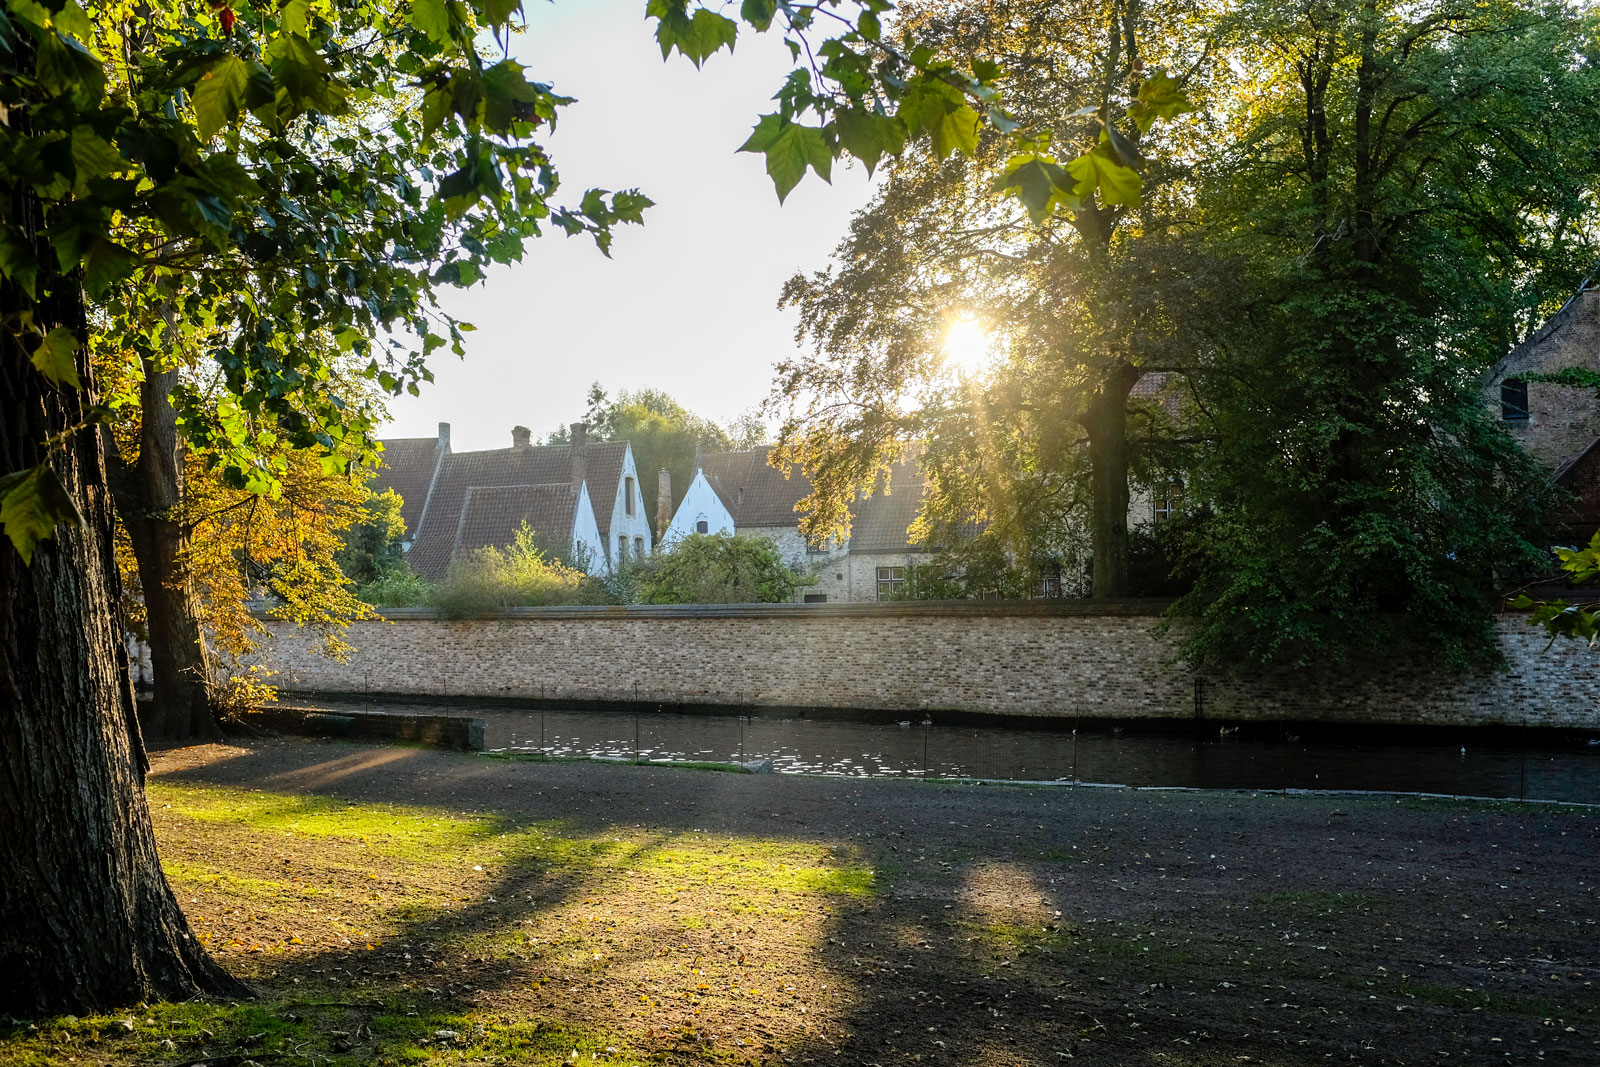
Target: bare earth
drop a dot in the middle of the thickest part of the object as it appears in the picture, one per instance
(688, 916)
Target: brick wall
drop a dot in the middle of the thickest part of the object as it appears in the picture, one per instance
(1037, 659)
(1561, 421)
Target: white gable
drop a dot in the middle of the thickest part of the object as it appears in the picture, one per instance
(701, 505)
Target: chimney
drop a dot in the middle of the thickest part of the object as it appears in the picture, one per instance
(444, 438)
(580, 449)
(663, 504)
(521, 437)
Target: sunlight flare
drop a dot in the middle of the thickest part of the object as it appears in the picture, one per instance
(968, 345)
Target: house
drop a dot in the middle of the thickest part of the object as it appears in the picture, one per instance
(1558, 425)
(740, 493)
(582, 499)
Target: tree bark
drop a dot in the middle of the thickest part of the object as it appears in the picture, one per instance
(1105, 422)
(149, 498)
(89, 920)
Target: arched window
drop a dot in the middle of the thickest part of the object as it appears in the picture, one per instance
(1514, 400)
(702, 527)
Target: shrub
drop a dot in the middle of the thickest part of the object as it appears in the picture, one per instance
(522, 574)
(720, 569)
(398, 587)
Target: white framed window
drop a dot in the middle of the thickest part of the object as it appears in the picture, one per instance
(638, 548)
(628, 495)
(890, 581)
(622, 549)
(1168, 498)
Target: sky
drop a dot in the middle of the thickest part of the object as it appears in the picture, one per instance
(688, 302)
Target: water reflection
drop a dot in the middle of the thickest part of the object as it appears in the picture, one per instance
(1263, 757)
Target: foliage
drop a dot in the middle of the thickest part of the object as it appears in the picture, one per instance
(254, 551)
(1361, 495)
(324, 170)
(400, 587)
(522, 574)
(720, 569)
(372, 544)
(1078, 302)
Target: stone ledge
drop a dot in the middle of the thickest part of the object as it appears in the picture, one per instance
(1135, 607)
(457, 732)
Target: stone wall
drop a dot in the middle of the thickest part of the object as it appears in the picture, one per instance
(1049, 659)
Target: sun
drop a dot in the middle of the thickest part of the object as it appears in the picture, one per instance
(967, 345)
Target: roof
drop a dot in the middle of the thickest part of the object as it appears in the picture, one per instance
(754, 493)
(492, 515)
(603, 470)
(406, 465)
(445, 521)
(881, 520)
(757, 494)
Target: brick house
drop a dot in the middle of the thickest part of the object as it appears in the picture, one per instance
(740, 493)
(1559, 426)
(582, 499)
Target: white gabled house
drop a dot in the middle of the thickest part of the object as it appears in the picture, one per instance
(582, 498)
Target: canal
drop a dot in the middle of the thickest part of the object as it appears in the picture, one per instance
(1521, 764)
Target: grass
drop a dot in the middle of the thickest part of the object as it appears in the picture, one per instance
(305, 1031)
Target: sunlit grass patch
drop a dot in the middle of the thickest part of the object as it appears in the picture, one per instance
(293, 1030)
(754, 865)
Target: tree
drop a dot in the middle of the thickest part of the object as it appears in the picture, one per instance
(1075, 284)
(1412, 189)
(662, 431)
(211, 165)
(720, 569)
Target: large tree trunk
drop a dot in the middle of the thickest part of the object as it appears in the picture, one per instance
(1105, 421)
(89, 920)
(149, 497)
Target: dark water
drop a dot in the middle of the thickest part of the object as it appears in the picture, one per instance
(1456, 762)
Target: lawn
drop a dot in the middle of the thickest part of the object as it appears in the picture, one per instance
(397, 905)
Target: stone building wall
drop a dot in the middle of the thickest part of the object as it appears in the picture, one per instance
(1561, 421)
(1026, 659)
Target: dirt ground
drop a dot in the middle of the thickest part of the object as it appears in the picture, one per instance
(639, 913)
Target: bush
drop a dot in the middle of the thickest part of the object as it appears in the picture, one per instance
(520, 575)
(720, 569)
(398, 587)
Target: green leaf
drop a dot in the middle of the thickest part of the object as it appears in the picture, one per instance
(18, 261)
(1116, 183)
(937, 108)
(57, 357)
(1040, 183)
(303, 78)
(1160, 96)
(789, 148)
(498, 12)
(32, 504)
(295, 17)
(696, 37)
(868, 26)
(104, 264)
(219, 96)
(868, 135)
(759, 13)
(432, 19)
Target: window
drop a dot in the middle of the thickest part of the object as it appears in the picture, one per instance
(1514, 400)
(622, 549)
(638, 548)
(702, 527)
(628, 494)
(891, 580)
(816, 598)
(1167, 500)
(817, 548)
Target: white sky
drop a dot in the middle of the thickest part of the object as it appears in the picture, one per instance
(688, 302)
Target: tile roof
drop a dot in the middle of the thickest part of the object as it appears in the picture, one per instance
(881, 520)
(435, 537)
(754, 493)
(406, 466)
(603, 471)
(492, 515)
